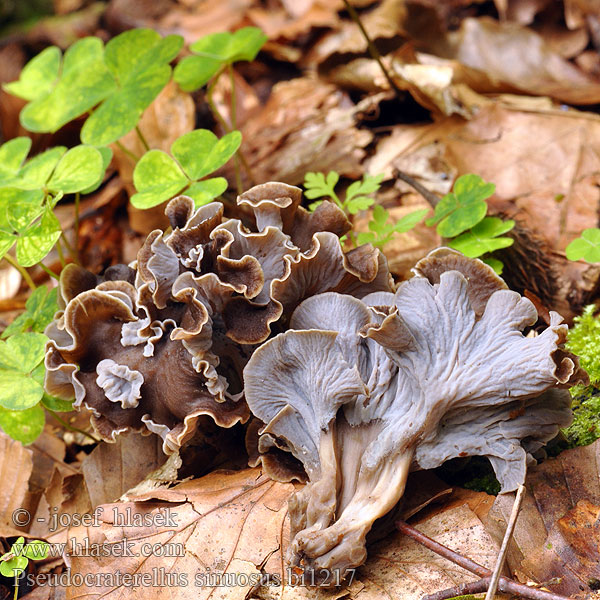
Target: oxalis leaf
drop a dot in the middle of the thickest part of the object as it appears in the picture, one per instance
(484, 237)
(60, 91)
(462, 208)
(587, 246)
(22, 370)
(35, 242)
(79, 168)
(158, 177)
(213, 52)
(12, 156)
(23, 425)
(139, 62)
(39, 312)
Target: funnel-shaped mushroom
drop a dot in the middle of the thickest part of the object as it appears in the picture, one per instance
(156, 347)
(363, 391)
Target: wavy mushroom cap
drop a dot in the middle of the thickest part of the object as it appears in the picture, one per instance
(360, 392)
(154, 346)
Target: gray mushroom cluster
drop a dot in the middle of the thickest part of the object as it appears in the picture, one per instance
(159, 345)
(361, 391)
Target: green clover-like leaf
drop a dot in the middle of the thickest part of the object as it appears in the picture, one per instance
(484, 237)
(36, 172)
(19, 208)
(587, 246)
(462, 208)
(36, 550)
(57, 404)
(21, 370)
(214, 51)
(201, 152)
(79, 168)
(82, 81)
(496, 264)
(139, 61)
(207, 190)
(6, 242)
(34, 244)
(14, 566)
(157, 177)
(38, 76)
(24, 426)
(12, 156)
(39, 312)
(107, 155)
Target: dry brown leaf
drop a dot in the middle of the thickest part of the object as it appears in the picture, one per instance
(557, 538)
(112, 469)
(16, 464)
(305, 126)
(231, 526)
(518, 56)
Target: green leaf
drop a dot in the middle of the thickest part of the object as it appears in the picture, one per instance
(38, 240)
(409, 221)
(20, 208)
(139, 61)
(317, 186)
(200, 152)
(20, 369)
(483, 237)
(12, 156)
(587, 246)
(13, 567)
(365, 237)
(313, 205)
(6, 242)
(207, 190)
(38, 170)
(36, 550)
(38, 75)
(357, 204)
(244, 44)
(57, 404)
(496, 264)
(84, 81)
(24, 426)
(193, 72)
(157, 177)
(39, 312)
(464, 207)
(107, 155)
(380, 217)
(369, 185)
(79, 168)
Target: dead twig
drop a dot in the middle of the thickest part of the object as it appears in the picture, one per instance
(372, 48)
(502, 556)
(432, 198)
(506, 585)
(464, 589)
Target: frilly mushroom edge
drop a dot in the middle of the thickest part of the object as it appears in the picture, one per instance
(361, 391)
(157, 346)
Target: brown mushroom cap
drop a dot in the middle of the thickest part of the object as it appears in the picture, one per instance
(153, 346)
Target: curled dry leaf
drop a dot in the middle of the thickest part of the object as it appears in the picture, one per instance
(232, 527)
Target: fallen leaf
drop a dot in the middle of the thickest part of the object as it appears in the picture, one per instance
(557, 537)
(16, 465)
(112, 469)
(305, 126)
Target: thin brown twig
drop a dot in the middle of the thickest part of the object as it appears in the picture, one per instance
(463, 589)
(504, 548)
(505, 584)
(432, 198)
(372, 48)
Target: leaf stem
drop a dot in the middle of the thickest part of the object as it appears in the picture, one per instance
(61, 255)
(48, 270)
(71, 427)
(69, 248)
(127, 151)
(16, 594)
(26, 276)
(372, 48)
(76, 225)
(142, 138)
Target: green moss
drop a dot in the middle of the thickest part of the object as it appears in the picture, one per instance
(584, 340)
